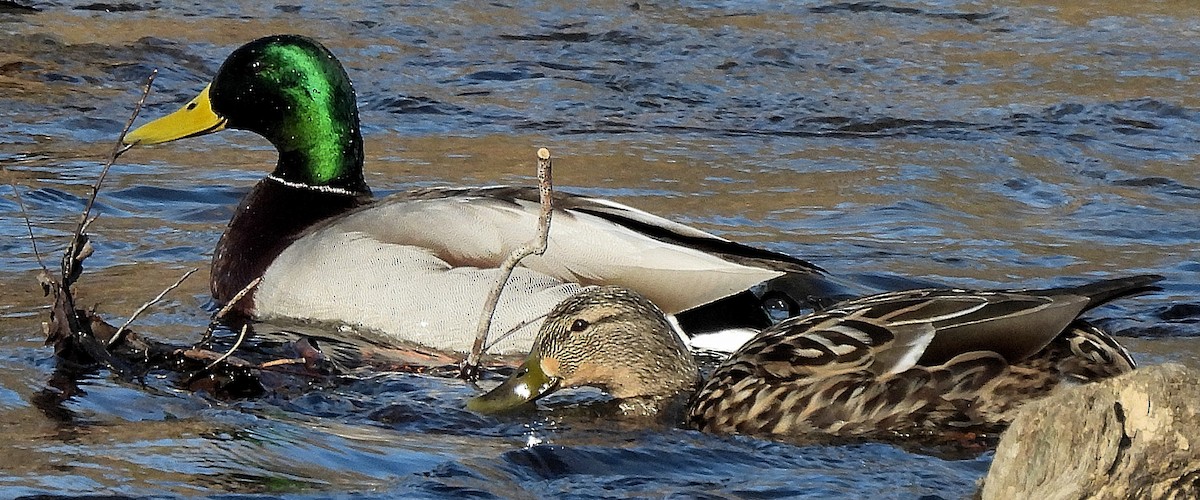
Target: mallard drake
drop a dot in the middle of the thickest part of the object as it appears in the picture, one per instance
(415, 265)
(903, 362)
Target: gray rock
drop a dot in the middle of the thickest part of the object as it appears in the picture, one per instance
(1133, 436)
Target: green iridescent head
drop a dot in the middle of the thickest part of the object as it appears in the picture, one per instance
(292, 91)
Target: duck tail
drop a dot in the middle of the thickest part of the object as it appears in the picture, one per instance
(1102, 292)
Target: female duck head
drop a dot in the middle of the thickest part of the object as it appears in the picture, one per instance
(292, 91)
(607, 337)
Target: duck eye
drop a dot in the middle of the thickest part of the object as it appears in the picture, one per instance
(579, 325)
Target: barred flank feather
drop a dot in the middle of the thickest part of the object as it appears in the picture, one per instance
(854, 369)
(918, 361)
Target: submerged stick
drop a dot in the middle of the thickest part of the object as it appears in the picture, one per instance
(121, 330)
(236, 345)
(281, 362)
(84, 338)
(470, 367)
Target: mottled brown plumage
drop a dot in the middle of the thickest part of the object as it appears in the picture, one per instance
(912, 362)
(918, 361)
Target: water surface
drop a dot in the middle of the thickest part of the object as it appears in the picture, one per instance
(977, 143)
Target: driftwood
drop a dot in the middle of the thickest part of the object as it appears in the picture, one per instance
(82, 339)
(254, 364)
(470, 367)
(1133, 436)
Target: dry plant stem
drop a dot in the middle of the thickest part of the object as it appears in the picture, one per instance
(28, 223)
(212, 323)
(236, 345)
(514, 330)
(537, 246)
(282, 362)
(72, 337)
(118, 148)
(121, 331)
(237, 297)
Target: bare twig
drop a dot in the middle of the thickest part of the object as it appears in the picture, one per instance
(470, 367)
(120, 331)
(225, 310)
(282, 362)
(512, 331)
(28, 223)
(71, 335)
(87, 224)
(236, 345)
(237, 297)
(69, 260)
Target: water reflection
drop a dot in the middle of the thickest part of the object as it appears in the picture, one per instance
(977, 143)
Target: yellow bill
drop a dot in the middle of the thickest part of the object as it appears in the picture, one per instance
(194, 118)
(527, 384)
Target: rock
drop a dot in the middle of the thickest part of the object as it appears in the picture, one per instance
(1132, 436)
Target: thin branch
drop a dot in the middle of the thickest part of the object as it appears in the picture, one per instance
(226, 309)
(69, 333)
(538, 246)
(512, 331)
(118, 148)
(28, 223)
(282, 362)
(120, 331)
(87, 224)
(236, 345)
(237, 297)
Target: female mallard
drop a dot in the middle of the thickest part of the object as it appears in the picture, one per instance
(414, 265)
(901, 362)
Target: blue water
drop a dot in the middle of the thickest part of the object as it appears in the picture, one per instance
(982, 144)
